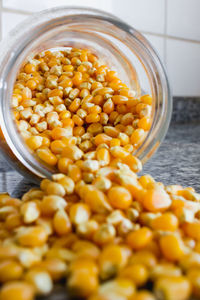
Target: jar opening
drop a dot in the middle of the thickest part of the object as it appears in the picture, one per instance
(118, 45)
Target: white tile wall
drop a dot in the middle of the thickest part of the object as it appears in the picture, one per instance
(158, 44)
(183, 65)
(172, 27)
(183, 19)
(37, 5)
(147, 15)
(10, 20)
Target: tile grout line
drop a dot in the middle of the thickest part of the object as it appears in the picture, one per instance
(16, 11)
(165, 31)
(165, 35)
(170, 37)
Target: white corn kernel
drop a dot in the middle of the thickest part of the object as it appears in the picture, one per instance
(90, 165)
(41, 126)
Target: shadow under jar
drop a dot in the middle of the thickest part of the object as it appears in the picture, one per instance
(114, 42)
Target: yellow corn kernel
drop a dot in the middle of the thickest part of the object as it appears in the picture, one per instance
(175, 245)
(32, 236)
(111, 260)
(115, 142)
(30, 212)
(119, 197)
(47, 156)
(140, 238)
(40, 280)
(137, 137)
(55, 267)
(118, 152)
(72, 152)
(103, 156)
(13, 221)
(17, 290)
(55, 188)
(143, 295)
(74, 172)
(34, 142)
(105, 234)
(83, 280)
(61, 223)
(147, 99)
(79, 213)
(57, 146)
(172, 288)
(50, 204)
(119, 288)
(86, 249)
(137, 273)
(63, 164)
(67, 183)
(102, 183)
(95, 198)
(145, 257)
(10, 270)
(165, 269)
(61, 253)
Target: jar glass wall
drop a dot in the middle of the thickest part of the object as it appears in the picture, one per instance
(117, 44)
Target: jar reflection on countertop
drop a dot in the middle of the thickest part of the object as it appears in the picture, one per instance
(118, 45)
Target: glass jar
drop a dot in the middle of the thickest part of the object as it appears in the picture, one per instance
(117, 44)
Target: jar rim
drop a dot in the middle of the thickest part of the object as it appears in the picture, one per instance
(39, 21)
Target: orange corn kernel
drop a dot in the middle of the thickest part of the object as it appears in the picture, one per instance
(143, 295)
(115, 142)
(47, 156)
(140, 238)
(137, 137)
(29, 68)
(173, 287)
(74, 172)
(102, 139)
(61, 223)
(95, 198)
(111, 260)
(147, 99)
(18, 290)
(167, 221)
(32, 236)
(63, 164)
(119, 197)
(103, 156)
(156, 200)
(192, 229)
(172, 247)
(144, 123)
(92, 118)
(56, 267)
(10, 270)
(137, 273)
(57, 146)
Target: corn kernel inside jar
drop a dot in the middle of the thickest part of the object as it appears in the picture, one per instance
(69, 107)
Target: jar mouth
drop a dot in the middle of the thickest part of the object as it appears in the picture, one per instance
(121, 44)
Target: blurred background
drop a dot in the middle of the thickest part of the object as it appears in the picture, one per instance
(172, 27)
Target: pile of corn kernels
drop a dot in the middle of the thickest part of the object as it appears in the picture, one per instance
(68, 106)
(111, 234)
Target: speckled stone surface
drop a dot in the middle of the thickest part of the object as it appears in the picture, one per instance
(178, 158)
(186, 109)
